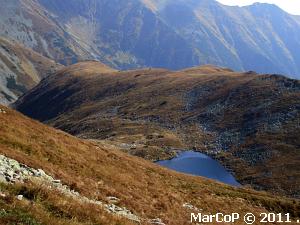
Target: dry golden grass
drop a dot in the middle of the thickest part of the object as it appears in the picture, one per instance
(130, 107)
(32, 67)
(44, 206)
(97, 171)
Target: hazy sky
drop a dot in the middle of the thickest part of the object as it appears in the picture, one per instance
(291, 6)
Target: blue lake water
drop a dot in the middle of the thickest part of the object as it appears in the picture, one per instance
(196, 163)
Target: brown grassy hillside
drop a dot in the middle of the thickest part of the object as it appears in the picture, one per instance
(97, 171)
(250, 122)
(21, 69)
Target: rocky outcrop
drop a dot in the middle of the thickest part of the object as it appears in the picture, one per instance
(13, 172)
(2, 111)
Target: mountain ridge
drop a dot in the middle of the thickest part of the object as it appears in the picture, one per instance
(246, 120)
(154, 34)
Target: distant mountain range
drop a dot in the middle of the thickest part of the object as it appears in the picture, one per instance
(250, 122)
(172, 34)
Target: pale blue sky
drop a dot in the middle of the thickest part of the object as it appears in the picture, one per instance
(291, 6)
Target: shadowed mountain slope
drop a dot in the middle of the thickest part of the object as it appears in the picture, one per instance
(124, 34)
(21, 69)
(170, 34)
(250, 122)
(260, 37)
(27, 22)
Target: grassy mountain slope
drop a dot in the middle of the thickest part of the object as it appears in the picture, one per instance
(100, 170)
(248, 121)
(21, 69)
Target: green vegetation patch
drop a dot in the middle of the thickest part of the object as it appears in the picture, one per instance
(12, 84)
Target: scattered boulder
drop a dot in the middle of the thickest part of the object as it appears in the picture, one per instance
(191, 207)
(112, 199)
(20, 197)
(12, 171)
(156, 221)
(2, 111)
(122, 212)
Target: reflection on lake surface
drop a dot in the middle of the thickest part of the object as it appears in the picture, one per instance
(196, 163)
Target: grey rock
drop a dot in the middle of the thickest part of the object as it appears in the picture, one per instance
(20, 197)
(156, 221)
(112, 199)
(191, 207)
(11, 171)
(3, 111)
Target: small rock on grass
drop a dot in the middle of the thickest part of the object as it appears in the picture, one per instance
(156, 221)
(20, 197)
(2, 111)
(112, 199)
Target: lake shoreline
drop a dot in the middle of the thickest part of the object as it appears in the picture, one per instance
(199, 164)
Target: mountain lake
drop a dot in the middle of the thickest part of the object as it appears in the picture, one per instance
(198, 164)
